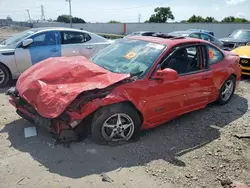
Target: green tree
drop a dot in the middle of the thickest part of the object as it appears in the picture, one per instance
(162, 15)
(63, 18)
(77, 20)
(228, 19)
(241, 20)
(66, 19)
(113, 21)
(195, 19)
(210, 20)
(231, 19)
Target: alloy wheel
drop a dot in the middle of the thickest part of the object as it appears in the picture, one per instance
(227, 90)
(118, 127)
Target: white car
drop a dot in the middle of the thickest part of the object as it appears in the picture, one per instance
(25, 49)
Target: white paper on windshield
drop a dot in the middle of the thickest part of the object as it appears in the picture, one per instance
(156, 46)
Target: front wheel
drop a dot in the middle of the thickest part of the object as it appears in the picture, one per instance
(227, 91)
(4, 76)
(115, 123)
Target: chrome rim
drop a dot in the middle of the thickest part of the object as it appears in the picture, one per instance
(227, 90)
(118, 127)
(2, 76)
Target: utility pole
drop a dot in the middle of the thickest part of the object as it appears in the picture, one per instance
(42, 13)
(139, 18)
(70, 12)
(28, 14)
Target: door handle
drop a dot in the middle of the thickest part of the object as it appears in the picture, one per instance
(89, 47)
(204, 78)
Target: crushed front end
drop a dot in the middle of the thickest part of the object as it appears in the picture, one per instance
(59, 127)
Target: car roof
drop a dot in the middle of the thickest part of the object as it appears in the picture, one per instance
(242, 30)
(203, 30)
(56, 29)
(190, 32)
(168, 42)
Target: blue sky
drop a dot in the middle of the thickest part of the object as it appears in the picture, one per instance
(123, 10)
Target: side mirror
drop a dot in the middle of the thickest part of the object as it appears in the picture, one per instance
(166, 74)
(27, 42)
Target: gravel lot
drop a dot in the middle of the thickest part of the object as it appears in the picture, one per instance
(196, 150)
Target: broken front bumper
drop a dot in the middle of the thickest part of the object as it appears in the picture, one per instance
(27, 112)
(59, 127)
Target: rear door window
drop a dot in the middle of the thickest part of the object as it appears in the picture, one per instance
(70, 37)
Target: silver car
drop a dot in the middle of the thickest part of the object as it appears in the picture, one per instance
(25, 49)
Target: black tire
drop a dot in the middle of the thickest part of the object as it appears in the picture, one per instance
(104, 113)
(7, 76)
(222, 101)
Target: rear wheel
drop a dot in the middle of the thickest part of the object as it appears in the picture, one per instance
(4, 76)
(227, 90)
(115, 123)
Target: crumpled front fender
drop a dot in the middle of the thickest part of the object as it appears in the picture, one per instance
(92, 106)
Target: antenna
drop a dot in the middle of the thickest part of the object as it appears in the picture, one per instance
(42, 13)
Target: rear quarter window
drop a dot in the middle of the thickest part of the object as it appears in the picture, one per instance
(214, 55)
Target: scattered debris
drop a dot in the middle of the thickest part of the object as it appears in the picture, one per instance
(225, 182)
(119, 169)
(20, 180)
(30, 132)
(245, 135)
(106, 178)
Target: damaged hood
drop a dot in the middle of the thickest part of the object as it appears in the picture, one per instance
(51, 85)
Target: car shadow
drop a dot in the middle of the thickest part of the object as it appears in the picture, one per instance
(167, 142)
(11, 84)
(245, 78)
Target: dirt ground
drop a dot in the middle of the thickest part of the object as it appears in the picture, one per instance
(195, 150)
(6, 32)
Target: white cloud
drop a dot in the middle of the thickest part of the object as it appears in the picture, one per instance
(216, 7)
(234, 2)
(240, 15)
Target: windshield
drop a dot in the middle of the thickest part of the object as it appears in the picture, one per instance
(240, 34)
(17, 38)
(129, 56)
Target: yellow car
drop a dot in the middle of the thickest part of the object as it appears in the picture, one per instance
(244, 53)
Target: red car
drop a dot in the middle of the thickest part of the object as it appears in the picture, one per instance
(136, 83)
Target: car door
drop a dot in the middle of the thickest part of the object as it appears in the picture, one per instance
(189, 92)
(79, 44)
(45, 44)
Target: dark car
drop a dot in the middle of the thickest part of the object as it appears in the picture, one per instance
(236, 39)
(199, 35)
(203, 31)
(141, 33)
